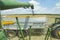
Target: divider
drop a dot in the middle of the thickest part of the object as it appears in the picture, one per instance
(20, 28)
(30, 33)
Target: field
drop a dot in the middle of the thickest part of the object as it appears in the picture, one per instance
(34, 38)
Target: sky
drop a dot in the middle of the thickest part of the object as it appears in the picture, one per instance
(40, 7)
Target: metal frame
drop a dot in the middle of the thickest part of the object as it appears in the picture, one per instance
(57, 20)
(0, 20)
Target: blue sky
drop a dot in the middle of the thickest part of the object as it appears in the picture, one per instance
(47, 3)
(41, 6)
(44, 3)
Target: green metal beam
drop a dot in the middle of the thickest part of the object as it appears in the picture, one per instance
(0, 20)
(30, 33)
(20, 28)
(48, 33)
(8, 4)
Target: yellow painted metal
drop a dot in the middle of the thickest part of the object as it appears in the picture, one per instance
(7, 22)
(59, 32)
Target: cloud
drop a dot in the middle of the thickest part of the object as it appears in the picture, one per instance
(58, 4)
(37, 7)
(16, 11)
(56, 9)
